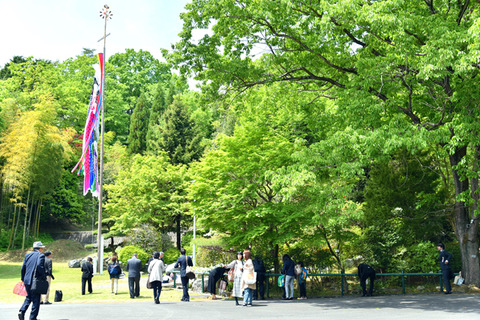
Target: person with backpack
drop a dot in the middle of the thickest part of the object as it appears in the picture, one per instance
(114, 271)
(302, 279)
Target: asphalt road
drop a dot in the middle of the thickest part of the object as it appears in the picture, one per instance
(411, 307)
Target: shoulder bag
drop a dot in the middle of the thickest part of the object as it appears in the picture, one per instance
(188, 270)
(149, 284)
(39, 286)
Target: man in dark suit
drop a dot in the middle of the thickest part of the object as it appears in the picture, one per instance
(33, 266)
(444, 258)
(48, 273)
(134, 265)
(366, 272)
(259, 268)
(87, 275)
(183, 261)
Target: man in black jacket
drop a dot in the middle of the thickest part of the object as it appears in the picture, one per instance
(366, 272)
(183, 261)
(259, 268)
(33, 267)
(444, 258)
(48, 273)
(87, 275)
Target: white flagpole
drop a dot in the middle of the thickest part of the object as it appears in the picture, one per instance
(106, 14)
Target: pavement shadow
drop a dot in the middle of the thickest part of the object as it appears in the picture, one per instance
(454, 303)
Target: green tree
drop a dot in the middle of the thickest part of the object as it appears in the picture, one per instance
(403, 75)
(137, 140)
(5, 72)
(179, 136)
(149, 191)
(137, 70)
(155, 120)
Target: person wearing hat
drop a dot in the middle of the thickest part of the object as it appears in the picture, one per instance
(48, 273)
(445, 258)
(33, 265)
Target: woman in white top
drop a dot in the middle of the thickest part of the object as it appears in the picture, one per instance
(247, 288)
(156, 268)
(237, 265)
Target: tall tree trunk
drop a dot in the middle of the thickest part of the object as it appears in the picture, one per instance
(10, 244)
(466, 226)
(25, 222)
(274, 252)
(16, 225)
(179, 239)
(30, 217)
(37, 221)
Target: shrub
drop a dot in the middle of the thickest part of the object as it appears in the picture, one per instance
(171, 255)
(127, 252)
(422, 257)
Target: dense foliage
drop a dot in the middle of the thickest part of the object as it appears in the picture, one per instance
(326, 130)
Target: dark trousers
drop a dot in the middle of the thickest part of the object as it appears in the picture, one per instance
(157, 289)
(185, 296)
(363, 284)
(134, 286)
(303, 288)
(84, 281)
(446, 272)
(31, 298)
(260, 287)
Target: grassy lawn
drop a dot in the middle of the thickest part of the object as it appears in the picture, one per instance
(69, 281)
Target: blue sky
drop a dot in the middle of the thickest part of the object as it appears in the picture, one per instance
(59, 29)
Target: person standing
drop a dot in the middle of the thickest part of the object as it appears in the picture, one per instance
(134, 265)
(183, 261)
(289, 271)
(87, 275)
(247, 288)
(366, 272)
(33, 266)
(156, 268)
(48, 273)
(237, 266)
(260, 270)
(114, 270)
(302, 281)
(445, 258)
(213, 276)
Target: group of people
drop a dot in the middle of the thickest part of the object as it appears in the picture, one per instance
(240, 269)
(38, 265)
(292, 270)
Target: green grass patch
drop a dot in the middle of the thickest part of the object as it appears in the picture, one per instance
(69, 281)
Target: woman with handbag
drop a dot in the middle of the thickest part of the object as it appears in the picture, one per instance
(156, 268)
(249, 279)
(237, 266)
